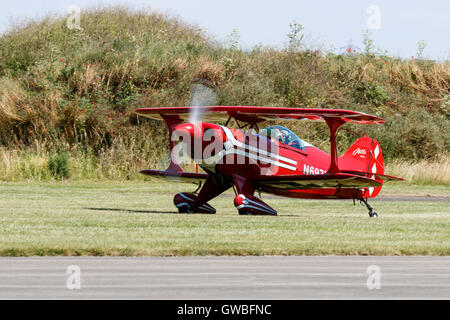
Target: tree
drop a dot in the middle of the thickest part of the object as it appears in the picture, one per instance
(295, 36)
(368, 42)
(421, 44)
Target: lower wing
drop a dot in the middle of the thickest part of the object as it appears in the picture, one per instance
(317, 181)
(182, 177)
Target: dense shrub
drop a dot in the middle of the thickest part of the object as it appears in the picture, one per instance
(58, 166)
(78, 89)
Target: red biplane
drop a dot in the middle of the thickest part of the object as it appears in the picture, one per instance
(273, 160)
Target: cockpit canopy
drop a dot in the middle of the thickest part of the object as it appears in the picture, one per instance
(285, 136)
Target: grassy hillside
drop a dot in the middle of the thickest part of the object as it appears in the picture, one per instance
(68, 96)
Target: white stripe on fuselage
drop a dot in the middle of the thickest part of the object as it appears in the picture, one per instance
(218, 156)
(237, 144)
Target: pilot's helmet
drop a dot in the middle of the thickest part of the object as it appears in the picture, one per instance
(274, 133)
(278, 134)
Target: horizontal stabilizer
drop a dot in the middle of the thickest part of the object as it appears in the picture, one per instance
(383, 177)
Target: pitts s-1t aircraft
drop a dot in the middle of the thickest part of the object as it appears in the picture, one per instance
(273, 160)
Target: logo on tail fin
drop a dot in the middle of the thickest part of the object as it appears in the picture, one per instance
(359, 152)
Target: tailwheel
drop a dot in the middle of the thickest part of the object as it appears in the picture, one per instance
(372, 213)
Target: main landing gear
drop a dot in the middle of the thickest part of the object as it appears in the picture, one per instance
(187, 202)
(372, 213)
(251, 205)
(184, 201)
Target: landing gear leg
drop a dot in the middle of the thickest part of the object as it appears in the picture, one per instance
(372, 213)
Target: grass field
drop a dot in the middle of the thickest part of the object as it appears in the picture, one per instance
(137, 218)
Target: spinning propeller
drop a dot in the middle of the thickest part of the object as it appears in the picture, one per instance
(203, 93)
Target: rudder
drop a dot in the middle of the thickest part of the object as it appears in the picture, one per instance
(364, 155)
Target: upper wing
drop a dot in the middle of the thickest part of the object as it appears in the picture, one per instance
(316, 181)
(258, 114)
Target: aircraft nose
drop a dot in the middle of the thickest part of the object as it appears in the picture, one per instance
(201, 140)
(188, 130)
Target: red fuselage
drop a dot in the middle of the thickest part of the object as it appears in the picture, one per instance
(228, 152)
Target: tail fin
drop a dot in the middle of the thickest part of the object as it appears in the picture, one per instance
(364, 156)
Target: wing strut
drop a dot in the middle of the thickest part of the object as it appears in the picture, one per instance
(171, 122)
(333, 124)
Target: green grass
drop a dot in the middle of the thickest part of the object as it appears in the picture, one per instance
(137, 218)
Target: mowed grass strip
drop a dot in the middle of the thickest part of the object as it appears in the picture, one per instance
(139, 218)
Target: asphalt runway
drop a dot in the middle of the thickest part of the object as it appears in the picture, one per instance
(269, 277)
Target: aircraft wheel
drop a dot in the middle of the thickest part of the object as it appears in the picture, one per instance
(184, 210)
(373, 214)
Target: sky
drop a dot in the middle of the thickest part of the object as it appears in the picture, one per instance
(395, 26)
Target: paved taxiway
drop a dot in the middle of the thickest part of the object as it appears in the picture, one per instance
(330, 277)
